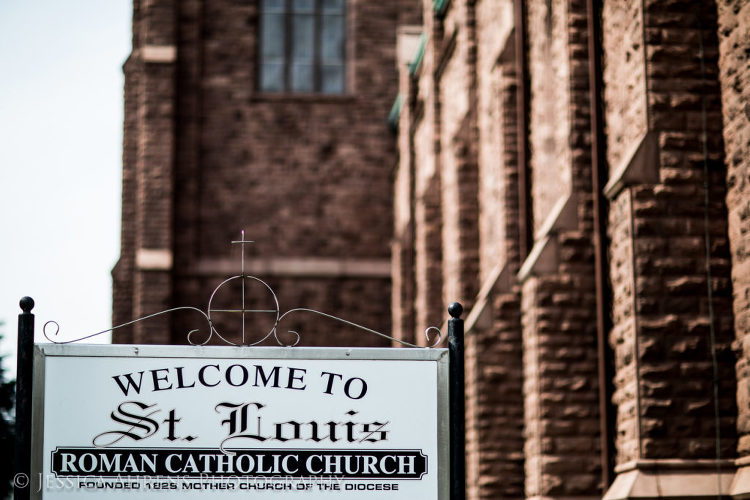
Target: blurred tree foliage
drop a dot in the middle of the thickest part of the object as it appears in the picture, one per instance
(7, 441)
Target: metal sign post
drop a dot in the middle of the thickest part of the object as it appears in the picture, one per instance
(457, 402)
(24, 384)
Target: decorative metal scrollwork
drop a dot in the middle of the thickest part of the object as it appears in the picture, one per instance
(433, 336)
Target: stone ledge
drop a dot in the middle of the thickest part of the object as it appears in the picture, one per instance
(543, 257)
(693, 479)
(296, 267)
(159, 53)
(564, 215)
(499, 281)
(407, 43)
(508, 52)
(740, 488)
(641, 166)
(153, 259)
(540, 497)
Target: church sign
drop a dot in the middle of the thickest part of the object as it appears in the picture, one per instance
(203, 422)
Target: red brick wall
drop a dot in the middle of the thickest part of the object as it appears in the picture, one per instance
(291, 169)
(307, 177)
(148, 158)
(122, 274)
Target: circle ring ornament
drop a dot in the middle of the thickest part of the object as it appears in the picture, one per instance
(244, 311)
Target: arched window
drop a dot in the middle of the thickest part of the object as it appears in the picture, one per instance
(302, 46)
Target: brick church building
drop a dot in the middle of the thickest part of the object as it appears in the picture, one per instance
(572, 171)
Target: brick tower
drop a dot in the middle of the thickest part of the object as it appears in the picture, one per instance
(268, 116)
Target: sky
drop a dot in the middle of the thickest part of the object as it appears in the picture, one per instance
(61, 100)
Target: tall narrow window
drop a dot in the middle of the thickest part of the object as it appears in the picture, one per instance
(302, 46)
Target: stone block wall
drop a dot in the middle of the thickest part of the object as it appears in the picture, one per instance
(455, 76)
(666, 324)
(494, 351)
(734, 74)
(673, 75)
(624, 76)
(558, 304)
(428, 216)
(531, 384)
(549, 67)
(670, 258)
(561, 417)
(455, 173)
(403, 250)
(495, 407)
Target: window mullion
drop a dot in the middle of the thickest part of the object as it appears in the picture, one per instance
(288, 40)
(317, 62)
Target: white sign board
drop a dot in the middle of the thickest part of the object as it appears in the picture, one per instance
(213, 422)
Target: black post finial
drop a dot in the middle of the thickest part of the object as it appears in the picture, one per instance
(27, 304)
(455, 310)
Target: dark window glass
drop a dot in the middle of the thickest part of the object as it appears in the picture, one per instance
(336, 6)
(273, 46)
(302, 78)
(273, 5)
(333, 79)
(303, 38)
(272, 79)
(303, 5)
(332, 39)
(302, 46)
